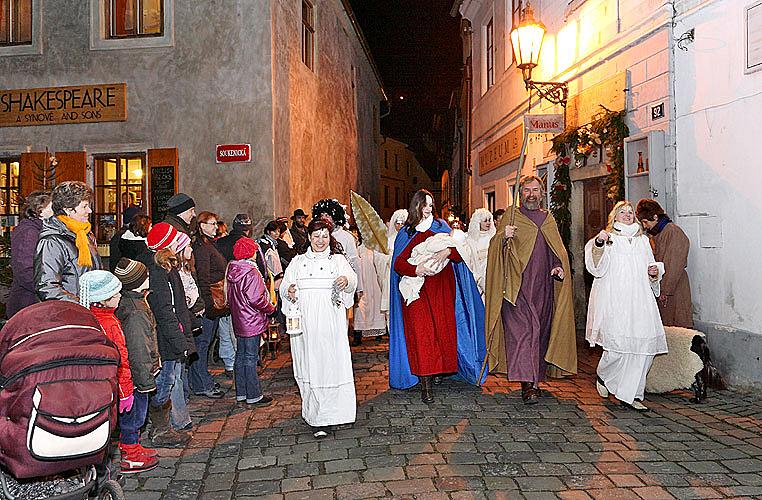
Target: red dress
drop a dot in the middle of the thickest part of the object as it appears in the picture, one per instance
(430, 331)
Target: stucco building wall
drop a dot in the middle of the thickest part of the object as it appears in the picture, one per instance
(232, 75)
(718, 183)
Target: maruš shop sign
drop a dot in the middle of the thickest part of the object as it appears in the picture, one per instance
(61, 105)
(231, 153)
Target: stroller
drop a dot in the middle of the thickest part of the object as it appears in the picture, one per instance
(58, 399)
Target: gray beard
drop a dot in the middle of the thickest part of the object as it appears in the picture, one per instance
(531, 205)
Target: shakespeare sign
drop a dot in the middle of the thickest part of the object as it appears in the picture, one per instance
(61, 105)
(500, 152)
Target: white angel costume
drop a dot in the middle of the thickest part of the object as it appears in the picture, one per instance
(479, 240)
(321, 358)
(622, 314)
(368, 318)
(391, 235)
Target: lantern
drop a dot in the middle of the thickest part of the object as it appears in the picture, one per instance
(294, 321)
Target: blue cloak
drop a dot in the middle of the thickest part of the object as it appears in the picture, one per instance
(469, 320)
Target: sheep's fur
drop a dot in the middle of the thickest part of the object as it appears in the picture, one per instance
(678, 368)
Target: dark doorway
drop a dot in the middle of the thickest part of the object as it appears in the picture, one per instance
(596, 210)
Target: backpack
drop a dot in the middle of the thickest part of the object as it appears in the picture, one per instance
(58, 390)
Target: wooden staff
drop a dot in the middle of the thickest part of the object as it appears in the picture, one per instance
(519, 169)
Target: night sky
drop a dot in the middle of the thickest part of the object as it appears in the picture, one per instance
(417, 47)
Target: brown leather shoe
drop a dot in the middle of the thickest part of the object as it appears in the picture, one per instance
(528, 393)
(427, 395)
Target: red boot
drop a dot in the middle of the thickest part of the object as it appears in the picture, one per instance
(133, 461)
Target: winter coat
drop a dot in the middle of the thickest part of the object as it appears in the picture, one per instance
(210, 268)
(226, 243)
(131, 246)
(113, 330)
(248, 299)
(23, 246)
(174, 330)
(56, 272)
(178, 223)
(671, 246)
(139, 329)
(300, 238)
(114, 252)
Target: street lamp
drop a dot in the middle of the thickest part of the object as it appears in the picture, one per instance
(526, 39)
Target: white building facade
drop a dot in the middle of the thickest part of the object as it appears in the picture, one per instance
(624, 55)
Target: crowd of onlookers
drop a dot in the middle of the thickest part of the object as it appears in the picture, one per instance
(172, 288)
(162, 299)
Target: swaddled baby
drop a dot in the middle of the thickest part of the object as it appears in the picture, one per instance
(423, 253)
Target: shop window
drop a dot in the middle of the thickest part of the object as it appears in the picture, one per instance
(15, 22)
(119, 184)
(308, 34)
(10, 195)
(134, 18)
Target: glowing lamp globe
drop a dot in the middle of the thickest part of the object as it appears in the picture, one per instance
(526, 39)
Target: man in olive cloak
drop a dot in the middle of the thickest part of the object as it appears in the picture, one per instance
(528, 297)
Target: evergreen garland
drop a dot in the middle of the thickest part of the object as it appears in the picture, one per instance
(610, 129)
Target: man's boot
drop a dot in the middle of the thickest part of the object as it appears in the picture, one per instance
(427, 395)
(356, 338)
(162, 434)
(528, 393)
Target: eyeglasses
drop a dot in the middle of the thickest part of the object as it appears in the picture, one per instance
(211, 223)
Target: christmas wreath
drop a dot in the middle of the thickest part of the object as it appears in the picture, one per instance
(576, 145)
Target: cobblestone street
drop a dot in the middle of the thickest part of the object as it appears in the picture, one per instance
(470, 443)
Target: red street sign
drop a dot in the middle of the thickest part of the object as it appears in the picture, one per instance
(229, 153)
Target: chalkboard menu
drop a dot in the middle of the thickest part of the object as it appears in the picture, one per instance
(162, 189)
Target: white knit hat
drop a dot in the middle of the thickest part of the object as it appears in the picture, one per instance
(96, 286)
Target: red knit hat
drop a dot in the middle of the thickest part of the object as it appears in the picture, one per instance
(161, 236)
(245, 248)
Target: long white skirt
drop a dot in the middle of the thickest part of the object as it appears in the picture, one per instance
(624, 375)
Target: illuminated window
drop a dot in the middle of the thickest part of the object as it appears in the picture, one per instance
(308, 34)
(489, 200)
(15, 22)
(490, 53)
(134, 18)
(9, 193)
(119, 184)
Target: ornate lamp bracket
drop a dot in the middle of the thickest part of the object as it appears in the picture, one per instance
(555, 92)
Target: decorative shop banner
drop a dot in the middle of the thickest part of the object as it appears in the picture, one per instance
(500, 152)
(542, 124)
(61, 105)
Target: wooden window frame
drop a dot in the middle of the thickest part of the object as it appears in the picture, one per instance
(8, 36)
(490, 52)
(110, 27)
(308, 34)
(7, 192)
(120, 186)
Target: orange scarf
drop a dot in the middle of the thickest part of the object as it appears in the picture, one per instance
(82, 230)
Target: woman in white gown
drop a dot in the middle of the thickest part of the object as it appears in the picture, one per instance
(480, 232)
(369, 321)
(395, 224)
(320, 285)
(622, 315)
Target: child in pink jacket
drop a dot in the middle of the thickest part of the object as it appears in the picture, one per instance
(250, 306)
